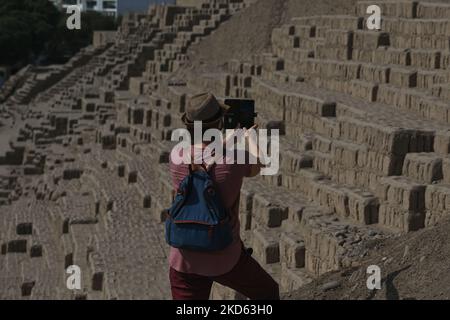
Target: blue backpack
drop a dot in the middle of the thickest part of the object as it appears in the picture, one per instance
(197, 219)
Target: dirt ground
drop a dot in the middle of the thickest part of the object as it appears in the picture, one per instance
(415, 266)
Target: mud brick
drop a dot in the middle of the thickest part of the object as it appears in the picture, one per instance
(418, 27)
(36, 251)
(374, 73)
(302, 180)
(350, 155)
(339, 38)
(400, 219)
(278, 34)
(289, 30)
(321, 144)
(273, 64)
(402, 192)
(323, 162)
(296, 103)
(248, 69)
(72, 173)
(325, 52)
(319, 261)
(336, 69)
(268, 98)
(295, 216)
(390, 56)
(27, 288)
(108, 141)
(305, 31)
(274, 180)
(428, 59)
(245, 82)
(265, 244)
(17, 246)
(177, 99)
(165, 189)
(345, 22)
(364, 90)
(445, 60)
(89, 102)
(428, 79)
(132, 177)
(159, 209)
(80, 296)
(97, 267)
(446, 169)
(442, 143)
(137, 85)
(433, 10)
(266, 212)
(325, 126)
(296, 55)
(25, 228)
(329, 195)
(434, 42)
(306, 43)
(363, 207)
(135, 115)
(235, 66)
(364, 55)
(292, 250)
(295, 161)
(392, 8)
(385, 139)
(437, 198)
(403, 77)
(423, 167)
(370, 40)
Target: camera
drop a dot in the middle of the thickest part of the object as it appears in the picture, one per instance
(240, 114)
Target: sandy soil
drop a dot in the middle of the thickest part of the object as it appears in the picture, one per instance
(413, 266)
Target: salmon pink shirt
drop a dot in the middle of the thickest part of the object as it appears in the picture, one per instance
(228, 178)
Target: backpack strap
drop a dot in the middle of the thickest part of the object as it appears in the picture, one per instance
(203, 166)
(208, 169)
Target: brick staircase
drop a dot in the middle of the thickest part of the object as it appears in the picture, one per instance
(77, 211)
(370, 112)
(364, 148)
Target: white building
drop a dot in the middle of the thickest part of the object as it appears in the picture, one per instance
(111, 7)
(108, 7)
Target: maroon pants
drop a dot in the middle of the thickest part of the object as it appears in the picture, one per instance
(247, 278)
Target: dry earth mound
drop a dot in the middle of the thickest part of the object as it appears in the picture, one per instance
(414, 266)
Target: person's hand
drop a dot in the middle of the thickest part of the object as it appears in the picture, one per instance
(229, 134)
(247, 132)
(251, 137)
